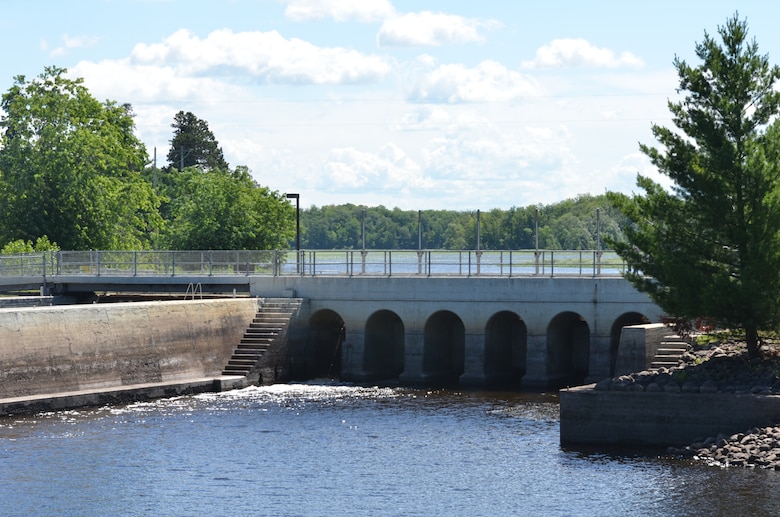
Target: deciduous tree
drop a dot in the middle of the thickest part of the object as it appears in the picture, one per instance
(222, 210)
(70, 168)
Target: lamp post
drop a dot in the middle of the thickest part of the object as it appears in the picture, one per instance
(297, 198)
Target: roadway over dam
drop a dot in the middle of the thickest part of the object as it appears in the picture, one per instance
(536, 318)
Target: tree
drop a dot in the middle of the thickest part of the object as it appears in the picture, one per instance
(711, 245)
(222, 210)
(69, 168)
(21, 246)
(193, 144)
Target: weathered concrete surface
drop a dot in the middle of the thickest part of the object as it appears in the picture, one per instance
(118, 395)
(592, 311)
(25, 301)
(638, 345)
(591, 417)
(47, 351)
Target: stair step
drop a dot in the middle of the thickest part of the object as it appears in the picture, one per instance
(242, 362)
(271, 320)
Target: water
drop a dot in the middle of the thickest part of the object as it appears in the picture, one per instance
(345, 450)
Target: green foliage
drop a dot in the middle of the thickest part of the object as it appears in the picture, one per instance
(21, 246)
(571, 224)
(221, 210)
(69, 168)
(711, 247)
(193, 144)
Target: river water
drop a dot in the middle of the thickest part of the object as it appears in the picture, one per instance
(308, 449)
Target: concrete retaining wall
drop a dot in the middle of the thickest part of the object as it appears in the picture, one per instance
(638, 346)
(590, 417)
(50, 350)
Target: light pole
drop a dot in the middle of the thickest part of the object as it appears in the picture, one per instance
(297, 198)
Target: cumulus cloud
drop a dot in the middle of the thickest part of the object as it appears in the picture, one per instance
(489, 81)
(265, 55)
(565, 53)
(390, 168)
(339, 10)
(427, 29)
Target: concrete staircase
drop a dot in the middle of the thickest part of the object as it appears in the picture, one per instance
(669, 352)
(268, 326)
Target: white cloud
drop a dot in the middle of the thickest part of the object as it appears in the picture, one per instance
(69, 43)
(625, 172)
(489, 81)
(390, 168)
(563, 53)
(427, 29)
(266, 55)
(339, 10)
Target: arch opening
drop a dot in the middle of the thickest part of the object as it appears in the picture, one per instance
(384, 346)
(568, 349)
(506, 349)
(444, 348)
(624, 320)
(320, 355)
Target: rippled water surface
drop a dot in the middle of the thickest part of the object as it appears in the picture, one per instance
(344, 450)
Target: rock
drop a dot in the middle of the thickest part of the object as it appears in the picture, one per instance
(604, 385)
(672, 387)
(708, 386)
(690, 387)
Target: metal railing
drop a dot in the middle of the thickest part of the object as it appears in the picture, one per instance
(315, 263)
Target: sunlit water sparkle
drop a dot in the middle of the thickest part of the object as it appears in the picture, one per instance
(308, 449)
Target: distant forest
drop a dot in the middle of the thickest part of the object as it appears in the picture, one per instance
(571, 224)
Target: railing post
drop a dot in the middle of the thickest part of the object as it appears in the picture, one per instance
(173, 263)
(552, 263)
(44, 273)
(98, 262)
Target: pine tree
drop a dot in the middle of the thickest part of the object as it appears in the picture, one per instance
(193, 144)
(711, 246)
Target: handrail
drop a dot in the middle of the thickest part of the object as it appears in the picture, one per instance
(208, 263)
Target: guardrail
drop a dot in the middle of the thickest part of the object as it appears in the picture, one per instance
(315, 263)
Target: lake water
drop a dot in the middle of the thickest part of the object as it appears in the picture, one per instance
(307, 449)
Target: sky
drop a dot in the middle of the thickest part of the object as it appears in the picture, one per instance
(426, 104)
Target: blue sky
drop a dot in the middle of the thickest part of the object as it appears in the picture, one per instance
(424, 104)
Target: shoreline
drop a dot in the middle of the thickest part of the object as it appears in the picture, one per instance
(733, 401)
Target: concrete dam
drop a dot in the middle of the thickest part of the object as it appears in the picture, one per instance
(480, 331)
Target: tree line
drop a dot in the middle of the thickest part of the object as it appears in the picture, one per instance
(585, 222)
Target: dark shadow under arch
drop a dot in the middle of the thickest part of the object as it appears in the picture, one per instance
(444, 348)
(568, 349)
(384, 346)
(506, 349)
(320, 356)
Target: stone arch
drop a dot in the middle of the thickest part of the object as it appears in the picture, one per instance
(624, 320)
(506, 348)
(384, 346)
(568, 349)
(320, 356)
(444, 348)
